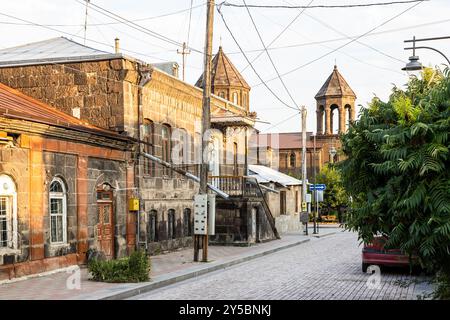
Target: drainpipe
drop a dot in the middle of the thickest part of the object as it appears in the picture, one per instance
(145, 75)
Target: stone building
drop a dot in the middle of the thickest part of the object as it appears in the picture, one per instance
(64, 187)
(137, 100)
(285, 201)
(283, 151)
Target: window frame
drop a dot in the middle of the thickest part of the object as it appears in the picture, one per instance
(166, 151)
(58, 196)
(149, 147)
(187, 218)
(8, 190)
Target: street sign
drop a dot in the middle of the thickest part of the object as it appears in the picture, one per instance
(317, 187)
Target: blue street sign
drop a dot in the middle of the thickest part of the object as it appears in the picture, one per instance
(317, 187)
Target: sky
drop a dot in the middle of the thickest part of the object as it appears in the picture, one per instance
(304, 54)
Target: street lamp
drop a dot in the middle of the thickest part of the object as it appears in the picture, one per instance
(332, 154)
(414, 64)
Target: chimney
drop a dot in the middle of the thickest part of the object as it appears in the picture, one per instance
(117, 45)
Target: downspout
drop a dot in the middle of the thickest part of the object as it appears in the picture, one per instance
(145, 75)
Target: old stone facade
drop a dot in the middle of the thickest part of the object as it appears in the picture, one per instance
(53, 168)
(160, 112)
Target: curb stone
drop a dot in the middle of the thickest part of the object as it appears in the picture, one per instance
(175, 277)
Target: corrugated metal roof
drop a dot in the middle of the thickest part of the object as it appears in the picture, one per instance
(288, 140)
(55, 50)
(16, 105)
(266, 174)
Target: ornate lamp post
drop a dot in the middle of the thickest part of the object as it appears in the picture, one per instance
(414, 64)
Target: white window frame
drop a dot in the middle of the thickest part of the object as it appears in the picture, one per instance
(63, 197)
(8, 190)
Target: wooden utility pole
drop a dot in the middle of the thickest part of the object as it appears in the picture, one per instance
(206, 122)
(304, 186)
(185, 51)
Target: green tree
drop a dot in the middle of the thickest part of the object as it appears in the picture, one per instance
(335, 196)
(397, 169)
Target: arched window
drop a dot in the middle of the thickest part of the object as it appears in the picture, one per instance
(187, 222)
(292, 160)
(149, 137)
(58, 211)
(171, 225)
(244, 100)
(153, 226)
(8, 213)
(235, 98)
(165, 144)
(222, 94)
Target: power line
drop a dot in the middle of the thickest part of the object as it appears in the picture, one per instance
(268, 55)
(227, 4)
(253, 68)
(278, 36)
(282, 121)
(137, 27)
(345, 44)
(348, 37)
(342, 52)
(343, 38)
(77, 36)
(112, 23)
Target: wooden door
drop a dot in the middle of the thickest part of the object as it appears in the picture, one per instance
(105, 229)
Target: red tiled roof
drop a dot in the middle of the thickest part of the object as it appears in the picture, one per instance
(288, 140)
(16, 105)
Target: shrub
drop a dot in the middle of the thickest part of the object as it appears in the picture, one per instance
(134, 268)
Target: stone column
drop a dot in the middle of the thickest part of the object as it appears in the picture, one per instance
(327, 120)
(352, 113)
(341, 119)
(319, 114)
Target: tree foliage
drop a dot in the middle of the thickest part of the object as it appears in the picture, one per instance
(397, 169)
(335, 195)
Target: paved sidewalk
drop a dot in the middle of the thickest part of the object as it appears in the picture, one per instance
(165, 269)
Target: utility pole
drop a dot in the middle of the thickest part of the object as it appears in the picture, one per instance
(304, 186)
(86, 19)
(316, 203)
(185, 51)
(206, 122)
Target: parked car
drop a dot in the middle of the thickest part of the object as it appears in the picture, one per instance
(374, 253)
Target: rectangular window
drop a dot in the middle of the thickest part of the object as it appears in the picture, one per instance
(282, 202)
(4, 217)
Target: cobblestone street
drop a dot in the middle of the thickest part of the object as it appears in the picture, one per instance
(324, 268)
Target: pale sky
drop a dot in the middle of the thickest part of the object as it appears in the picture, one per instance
(370, 68)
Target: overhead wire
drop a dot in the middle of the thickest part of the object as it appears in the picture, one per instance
(251, 65)
(77, 36)
(136, 26)
(270, 58)
(343, 38)
(344, 45)
(227, 4)
(277, 36)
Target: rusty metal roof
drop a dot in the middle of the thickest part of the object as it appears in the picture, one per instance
(16, 105)
(224, 73)
(335, 86)
(287, 140)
